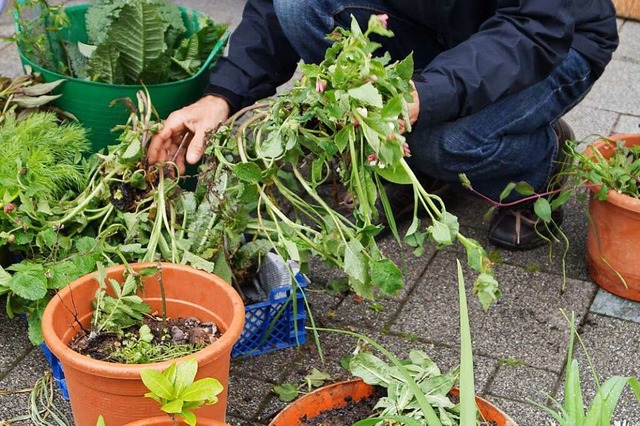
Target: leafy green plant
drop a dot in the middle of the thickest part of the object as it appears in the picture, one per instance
(416, 390)
(340, 121)
(129, 41)
(287, 392)
(177, 391)
(571, 411)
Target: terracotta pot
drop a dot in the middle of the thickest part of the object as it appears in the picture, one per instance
(116, 391)
(340, 394)
(165, 421)
(613, 236)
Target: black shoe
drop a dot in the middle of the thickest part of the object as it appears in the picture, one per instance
(518, 227)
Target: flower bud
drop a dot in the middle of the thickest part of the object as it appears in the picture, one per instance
(321, 85)
(384, 19)
(10, 207)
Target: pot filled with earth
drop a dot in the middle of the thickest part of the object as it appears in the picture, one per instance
(106, 327)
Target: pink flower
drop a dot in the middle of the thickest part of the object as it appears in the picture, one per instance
(9, 208)
(384, 19)
(321, 85)
(372, 159)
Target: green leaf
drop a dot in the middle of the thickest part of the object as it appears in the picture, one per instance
(173, 407)
(507, 190)
(542, 208)
(370, 368)
(203, 390)
(30, 285)
(486, 289)
(387, 276)
(104, 65)
(467, 394)
(138, 33)
(185, 374)
(404, 68)
(133, 151)
(222, 268)
(157, 383)
(286, 392)
(368, 94)
(316, 378)
(188, 417)
(34, 321)
(394, 174)
(100, 421)
(354, 261)
(248, 172)
(523, 188)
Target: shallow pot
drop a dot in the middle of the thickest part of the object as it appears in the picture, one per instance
(613, 235)
(340, 394)
(116, 391)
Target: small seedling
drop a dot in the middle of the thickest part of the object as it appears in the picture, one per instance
(511, 362)
(177, 392)
(287, 392)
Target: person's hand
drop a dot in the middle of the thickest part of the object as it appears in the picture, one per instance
(182, 135)
(414, 108)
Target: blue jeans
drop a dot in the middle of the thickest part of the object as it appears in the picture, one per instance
(510, 140)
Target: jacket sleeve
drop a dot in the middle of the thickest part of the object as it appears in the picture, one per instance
(260, 58)
(518, 46)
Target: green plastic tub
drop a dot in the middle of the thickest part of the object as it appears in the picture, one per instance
(89, 101)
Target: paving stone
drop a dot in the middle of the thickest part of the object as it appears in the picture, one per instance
(520, 382)
(371, 314)
(616, 89)
(246, 396)
(525, 324)
(12, 66)
(611, 305)
(236, 421)
(271, 367)
(588, 122)
(24, 376)
(627, 124)
(629, 48)
(14, 343)
(522, 413)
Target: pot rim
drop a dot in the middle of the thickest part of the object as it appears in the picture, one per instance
(360, 382)
(132, 371)
(614, 197)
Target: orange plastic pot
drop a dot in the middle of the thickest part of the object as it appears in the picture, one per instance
(340, 394)
(613, 235)
(116, 391)
(166, 421)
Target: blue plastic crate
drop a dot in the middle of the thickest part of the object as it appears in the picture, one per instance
(56, 369)
(272, 325)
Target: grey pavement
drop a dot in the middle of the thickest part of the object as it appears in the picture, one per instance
(520, 344)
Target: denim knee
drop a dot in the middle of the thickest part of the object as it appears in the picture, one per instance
(306, 23)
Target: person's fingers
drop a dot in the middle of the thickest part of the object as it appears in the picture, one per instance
(174, 125)
(196, 147)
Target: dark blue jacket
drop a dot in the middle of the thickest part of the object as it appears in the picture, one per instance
(494, 48)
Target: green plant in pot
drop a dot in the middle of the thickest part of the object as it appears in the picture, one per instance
(109, 48)
(607, 169)
(414, 392)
